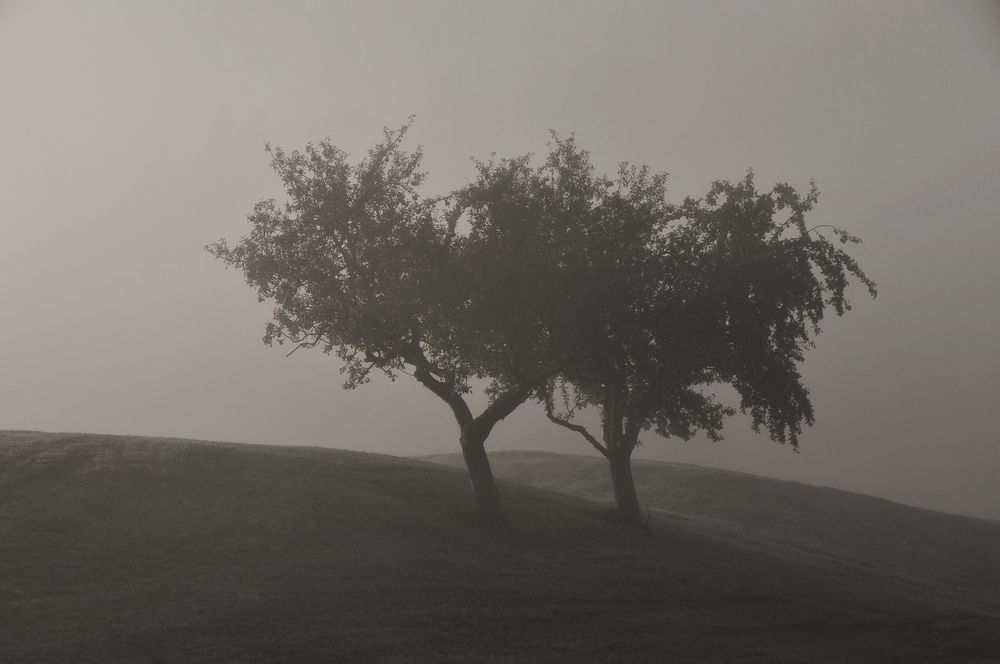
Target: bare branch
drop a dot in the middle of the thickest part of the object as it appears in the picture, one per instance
(423, 372)
(566, 424)
(504, 405)
(297, 347)
(825, 226)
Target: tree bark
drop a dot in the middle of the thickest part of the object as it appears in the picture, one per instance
(474, 431)
(626, 500)
(483, 485)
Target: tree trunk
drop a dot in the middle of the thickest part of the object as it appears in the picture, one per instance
(483, 484)
(626, 500)
(474, 430)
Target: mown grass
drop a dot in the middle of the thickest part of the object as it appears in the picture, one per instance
(147, 550)
(958, 555)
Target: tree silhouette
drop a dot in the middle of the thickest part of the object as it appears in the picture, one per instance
(554, 282)
(359, 264)
(728, 289)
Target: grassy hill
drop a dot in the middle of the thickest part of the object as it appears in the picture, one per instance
(151, 550)
(959, 555)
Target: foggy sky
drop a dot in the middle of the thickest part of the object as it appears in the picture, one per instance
(132, 134)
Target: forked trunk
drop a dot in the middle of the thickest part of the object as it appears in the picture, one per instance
(475, 431)
(621, 435)
(626, 501)
(483, 485)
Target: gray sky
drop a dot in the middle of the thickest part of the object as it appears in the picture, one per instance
(132, 133)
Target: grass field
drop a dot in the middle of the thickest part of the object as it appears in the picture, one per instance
(824, 526)
(148, 550)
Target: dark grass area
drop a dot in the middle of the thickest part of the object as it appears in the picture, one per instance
(145, 550)
(959, 556)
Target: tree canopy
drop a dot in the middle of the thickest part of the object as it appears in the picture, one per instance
(350, 258)
(726, 289)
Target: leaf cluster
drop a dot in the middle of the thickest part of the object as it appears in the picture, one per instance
(359, 263)
(727, 289)
(771, 279)
(589, 290)
(356, 261)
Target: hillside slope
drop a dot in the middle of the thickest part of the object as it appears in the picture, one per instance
(959, 555)
(149, 550)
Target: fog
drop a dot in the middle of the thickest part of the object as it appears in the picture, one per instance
(132, 134)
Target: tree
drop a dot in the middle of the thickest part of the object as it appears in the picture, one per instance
(358, 263)
(551, 282)
(720, 290)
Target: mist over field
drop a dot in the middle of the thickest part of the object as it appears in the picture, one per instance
(132, 134)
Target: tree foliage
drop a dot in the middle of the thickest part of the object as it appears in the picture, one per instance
(773, 279)
(353, 261)
(358, 263)
(727, 289)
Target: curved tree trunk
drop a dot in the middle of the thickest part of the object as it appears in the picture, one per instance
(474, 431)
(621, 435)
(483, 485)
(626, 500)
